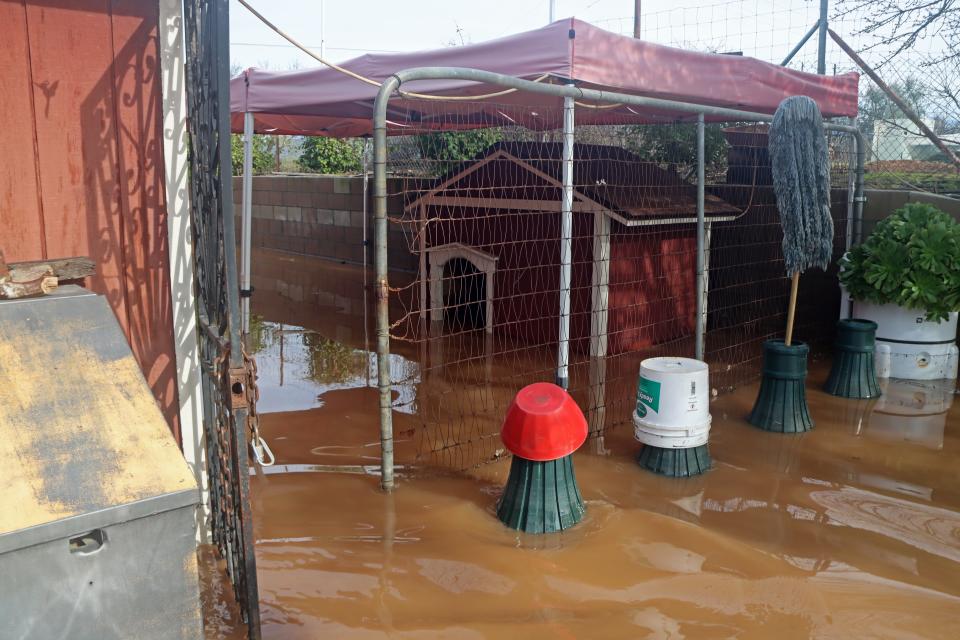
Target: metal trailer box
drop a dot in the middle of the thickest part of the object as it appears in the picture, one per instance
(97, 505)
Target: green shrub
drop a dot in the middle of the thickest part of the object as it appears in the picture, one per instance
(912, 259)
(262, 148)
(447, 149)
(320, 154)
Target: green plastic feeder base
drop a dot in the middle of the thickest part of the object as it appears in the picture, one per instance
(781, 405)
(675, 463)
(854, 373)
(541, 497)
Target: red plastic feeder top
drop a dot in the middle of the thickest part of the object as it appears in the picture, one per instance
(543, 423)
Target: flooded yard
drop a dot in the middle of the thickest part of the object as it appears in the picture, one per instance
(851, 530)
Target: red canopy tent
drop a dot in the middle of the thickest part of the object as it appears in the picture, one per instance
(326, 102)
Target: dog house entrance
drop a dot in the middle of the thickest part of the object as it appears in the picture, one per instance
(464, 296)
(461, 287)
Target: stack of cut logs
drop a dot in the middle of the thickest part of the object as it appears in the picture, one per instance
(25, 279)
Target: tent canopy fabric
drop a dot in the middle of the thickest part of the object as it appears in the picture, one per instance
(326, 102)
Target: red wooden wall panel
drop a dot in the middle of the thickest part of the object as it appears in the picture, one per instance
(88, 99)
(21, 222)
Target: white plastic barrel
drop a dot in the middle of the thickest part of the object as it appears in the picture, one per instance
(673, 403)
(908, 345)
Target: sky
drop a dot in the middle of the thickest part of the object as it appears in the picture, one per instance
(762, 28)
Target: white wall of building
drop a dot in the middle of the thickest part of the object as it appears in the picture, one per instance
(181, 247)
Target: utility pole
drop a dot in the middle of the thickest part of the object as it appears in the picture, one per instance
(636, 19)
(553, 11)
(822, 38)
(323, 28)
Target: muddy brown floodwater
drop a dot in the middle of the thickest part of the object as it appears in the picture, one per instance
(851, 530)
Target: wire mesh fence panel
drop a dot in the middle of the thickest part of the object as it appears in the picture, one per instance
(480, 211)
(926, 74)
(900, 155)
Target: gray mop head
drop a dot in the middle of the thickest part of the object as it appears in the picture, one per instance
(801, 182)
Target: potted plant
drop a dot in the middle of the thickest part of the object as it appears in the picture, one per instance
(906, 278)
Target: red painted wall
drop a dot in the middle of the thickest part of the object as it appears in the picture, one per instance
(652, 294)
(82, 171)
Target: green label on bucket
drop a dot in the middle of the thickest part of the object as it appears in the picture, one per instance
(648, 393)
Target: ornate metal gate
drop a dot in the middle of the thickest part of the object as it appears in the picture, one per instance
(228, 390)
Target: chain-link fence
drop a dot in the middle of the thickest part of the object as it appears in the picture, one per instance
(480, 211)
(899, 155)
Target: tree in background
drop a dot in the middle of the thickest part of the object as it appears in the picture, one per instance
(897, 25)
(676, 144)
(446, 149)
(876, 106)
(320, 154)
(262, 154)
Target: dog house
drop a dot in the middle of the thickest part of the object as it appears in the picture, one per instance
(490, 246)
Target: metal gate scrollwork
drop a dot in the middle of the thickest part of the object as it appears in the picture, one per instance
(229, 393)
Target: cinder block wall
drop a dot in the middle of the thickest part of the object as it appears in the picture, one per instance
(320, 216)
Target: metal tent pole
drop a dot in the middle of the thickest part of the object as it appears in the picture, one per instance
(701, 325)
(366, 243)
(822, 38)
(246, 223)
(566, 245)
(800, 44)
(382, 287)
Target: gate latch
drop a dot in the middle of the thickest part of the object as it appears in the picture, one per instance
(238, 388)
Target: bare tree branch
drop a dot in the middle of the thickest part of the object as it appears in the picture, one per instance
(896, 26)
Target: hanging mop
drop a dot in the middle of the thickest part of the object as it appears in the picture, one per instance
(801, 183)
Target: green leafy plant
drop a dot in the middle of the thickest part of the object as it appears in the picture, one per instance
(320, 154)
(912, 259)
(262, 148)
(446, 149)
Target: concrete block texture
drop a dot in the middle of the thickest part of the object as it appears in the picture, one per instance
(322, 216)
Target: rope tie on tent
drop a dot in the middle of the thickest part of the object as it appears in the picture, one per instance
(361, 78)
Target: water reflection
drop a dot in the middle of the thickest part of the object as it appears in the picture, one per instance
(297, 366)
(912, 411)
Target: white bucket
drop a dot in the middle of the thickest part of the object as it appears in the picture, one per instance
(673, 403)
(909, 346)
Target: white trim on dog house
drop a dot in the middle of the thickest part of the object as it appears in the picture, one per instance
(439, 256)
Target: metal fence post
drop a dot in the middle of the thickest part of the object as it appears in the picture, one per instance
(858, 196)
(247, 221)
(701, 325)
(822, 38)
(566, 245)
(236, 359)
(382, 287)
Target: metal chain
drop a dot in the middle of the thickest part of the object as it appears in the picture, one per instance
(261, 450)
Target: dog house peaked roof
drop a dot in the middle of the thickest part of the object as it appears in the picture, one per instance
(607, 179)
(324, 101)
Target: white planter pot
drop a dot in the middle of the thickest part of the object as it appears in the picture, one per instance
(908, 345)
